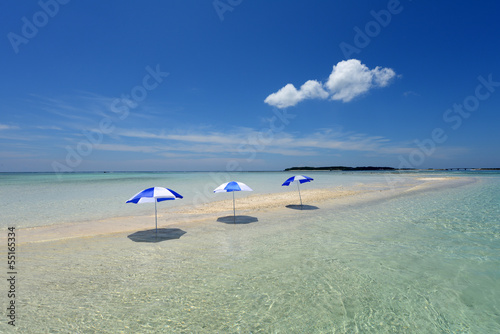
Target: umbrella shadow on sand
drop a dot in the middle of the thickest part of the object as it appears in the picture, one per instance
(302, 207)
(237, 219)
(154, 236)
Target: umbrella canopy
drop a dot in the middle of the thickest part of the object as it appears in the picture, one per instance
(300, 179)
(232, 187)
(154, 194)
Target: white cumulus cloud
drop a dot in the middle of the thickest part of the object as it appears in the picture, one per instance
(349, 79)
(289, 95)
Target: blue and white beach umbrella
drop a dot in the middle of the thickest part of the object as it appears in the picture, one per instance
(300, 179)
(154, 194)
(232, 187)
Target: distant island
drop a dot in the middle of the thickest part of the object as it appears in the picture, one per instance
(372, 168)
(487, 168)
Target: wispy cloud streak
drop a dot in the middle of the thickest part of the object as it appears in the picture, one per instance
(286, 144)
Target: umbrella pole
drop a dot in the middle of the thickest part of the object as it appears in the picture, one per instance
(298, 186)
(234, 211)
(156, 220)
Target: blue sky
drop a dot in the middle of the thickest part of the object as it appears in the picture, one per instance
(248, 85)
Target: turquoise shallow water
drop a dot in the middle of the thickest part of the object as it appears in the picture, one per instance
(422, 262)
(38, 199)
